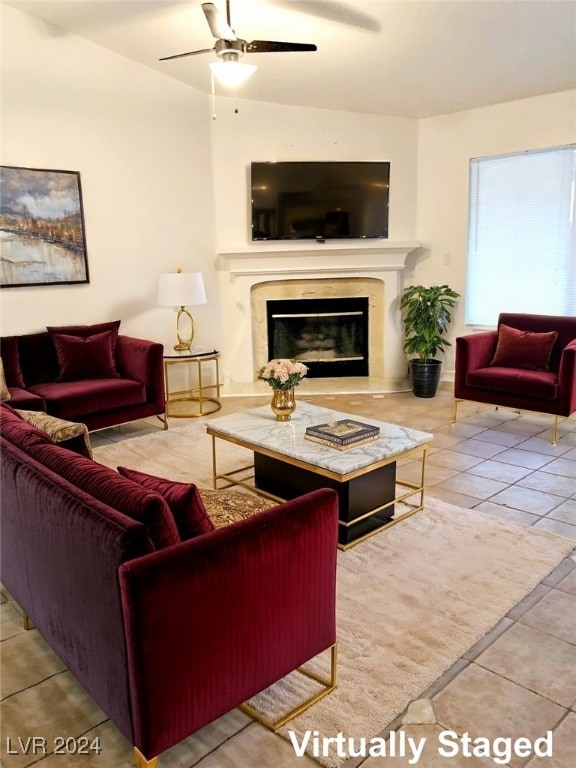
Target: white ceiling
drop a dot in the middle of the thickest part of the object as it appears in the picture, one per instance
(410, 58)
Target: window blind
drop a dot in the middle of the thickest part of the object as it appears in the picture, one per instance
(521, 235)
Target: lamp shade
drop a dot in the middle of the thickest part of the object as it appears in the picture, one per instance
(181, 289)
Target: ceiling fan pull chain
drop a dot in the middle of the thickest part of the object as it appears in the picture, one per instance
(213, 94)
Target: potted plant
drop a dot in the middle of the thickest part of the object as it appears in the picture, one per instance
(427, 314)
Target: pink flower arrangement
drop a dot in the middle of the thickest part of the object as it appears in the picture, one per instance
(282, 373)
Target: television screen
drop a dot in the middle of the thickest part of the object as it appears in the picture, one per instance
(319, 200)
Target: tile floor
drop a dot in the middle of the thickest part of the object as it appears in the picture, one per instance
(500, 463)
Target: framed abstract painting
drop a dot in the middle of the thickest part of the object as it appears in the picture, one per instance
(42, 234)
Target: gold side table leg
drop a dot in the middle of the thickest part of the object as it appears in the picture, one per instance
(205, 405)
(214, 472)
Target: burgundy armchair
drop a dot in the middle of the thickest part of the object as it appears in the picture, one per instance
(509, 369)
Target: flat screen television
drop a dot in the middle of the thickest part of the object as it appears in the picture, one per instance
(319, 200)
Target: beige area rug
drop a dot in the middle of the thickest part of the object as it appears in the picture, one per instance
(411, 600)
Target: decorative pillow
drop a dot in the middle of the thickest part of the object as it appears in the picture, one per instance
(183, 499)
(523, 349)
(19, 432)
(4, 391)
(228, 507)
(117, 492)
(85, 331)
(59, 430)
(90, 357)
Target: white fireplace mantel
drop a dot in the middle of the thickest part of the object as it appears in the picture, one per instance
(242, 268)
(312, 257)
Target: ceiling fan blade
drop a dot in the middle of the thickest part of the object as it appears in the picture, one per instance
(220, 29)
(190, 53)
(269, 46)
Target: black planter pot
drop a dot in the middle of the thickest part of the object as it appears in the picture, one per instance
(425, 377)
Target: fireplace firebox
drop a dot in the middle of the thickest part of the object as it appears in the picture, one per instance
(329, 335)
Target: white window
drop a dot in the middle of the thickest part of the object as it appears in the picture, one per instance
(521, 237)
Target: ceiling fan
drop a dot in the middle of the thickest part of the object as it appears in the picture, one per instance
(229, 47)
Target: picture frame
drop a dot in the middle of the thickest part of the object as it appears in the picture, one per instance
(42, 231)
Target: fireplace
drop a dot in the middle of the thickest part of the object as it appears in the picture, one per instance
(252, 276)
(329, 335)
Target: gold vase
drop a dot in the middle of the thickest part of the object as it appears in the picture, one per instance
(283, 403)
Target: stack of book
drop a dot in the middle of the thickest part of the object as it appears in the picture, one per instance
(343, 434)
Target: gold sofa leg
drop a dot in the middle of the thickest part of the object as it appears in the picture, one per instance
(26, 622)
(555, 431)
(516, 410)
(141, 761)
(328, 686)
(455, 410)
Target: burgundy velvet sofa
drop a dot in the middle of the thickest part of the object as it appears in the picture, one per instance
(165, 633)
(528, 364)
(89, 374)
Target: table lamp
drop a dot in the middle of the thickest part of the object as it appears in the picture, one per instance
(181, 289)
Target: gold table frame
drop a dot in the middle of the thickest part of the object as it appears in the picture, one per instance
(230, 479)
(192, 394)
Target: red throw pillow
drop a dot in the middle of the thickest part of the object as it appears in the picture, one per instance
(523, 349)
(88, 330)
(183, 499)
(85, 358)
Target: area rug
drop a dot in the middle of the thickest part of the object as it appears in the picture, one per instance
(180, 453)
(411, 600)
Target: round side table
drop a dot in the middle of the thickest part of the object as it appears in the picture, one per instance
(206, 403)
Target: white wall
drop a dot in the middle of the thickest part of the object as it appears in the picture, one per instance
(247, 131)
(446, 145)
(244, 131)
(141, 142)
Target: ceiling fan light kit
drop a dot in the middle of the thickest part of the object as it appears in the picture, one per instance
(229, 48)
(231, 73)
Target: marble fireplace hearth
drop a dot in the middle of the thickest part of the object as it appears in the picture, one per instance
(251, 276)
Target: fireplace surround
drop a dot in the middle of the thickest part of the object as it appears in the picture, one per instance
(321, 289)
(251, 276)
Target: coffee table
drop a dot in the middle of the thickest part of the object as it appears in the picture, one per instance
(286, 465)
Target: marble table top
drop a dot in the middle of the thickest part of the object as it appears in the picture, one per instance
(260, 429)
